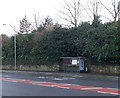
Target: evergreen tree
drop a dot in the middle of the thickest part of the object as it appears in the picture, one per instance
(25, 25)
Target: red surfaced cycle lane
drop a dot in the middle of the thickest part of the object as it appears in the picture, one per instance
(66, 86)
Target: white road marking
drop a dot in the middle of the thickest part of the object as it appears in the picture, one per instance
(91, 88)
(7, 76)
(57, 79)
(68, 78)
(59, 86)
(15, 81)
(42, 77)
(62, 78)
(68, 84)
(64, 87)
(108, 93)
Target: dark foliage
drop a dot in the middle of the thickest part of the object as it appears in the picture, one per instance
(98, 42)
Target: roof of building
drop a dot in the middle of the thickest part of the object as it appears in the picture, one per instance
(72, 57)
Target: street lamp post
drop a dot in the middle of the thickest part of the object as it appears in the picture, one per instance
(119, 10)
(14, 49)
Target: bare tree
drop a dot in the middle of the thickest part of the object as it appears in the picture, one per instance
(71, 12)
(37, 21)
(41, 23)
(96, 13)
(92, 9)
(114, 10)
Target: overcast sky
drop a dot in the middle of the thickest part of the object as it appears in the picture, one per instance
(11, 11)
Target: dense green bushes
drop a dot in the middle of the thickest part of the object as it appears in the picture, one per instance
(99, 43)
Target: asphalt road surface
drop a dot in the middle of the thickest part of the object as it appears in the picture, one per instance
(58, 84)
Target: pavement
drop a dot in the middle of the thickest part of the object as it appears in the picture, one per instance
(66, 74)
(28, 83)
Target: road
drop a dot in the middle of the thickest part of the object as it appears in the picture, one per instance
(58, 84)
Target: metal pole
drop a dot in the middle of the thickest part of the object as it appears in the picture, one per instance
(15, 51)
(119, 10)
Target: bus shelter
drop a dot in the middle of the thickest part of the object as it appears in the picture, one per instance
(74, 64)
